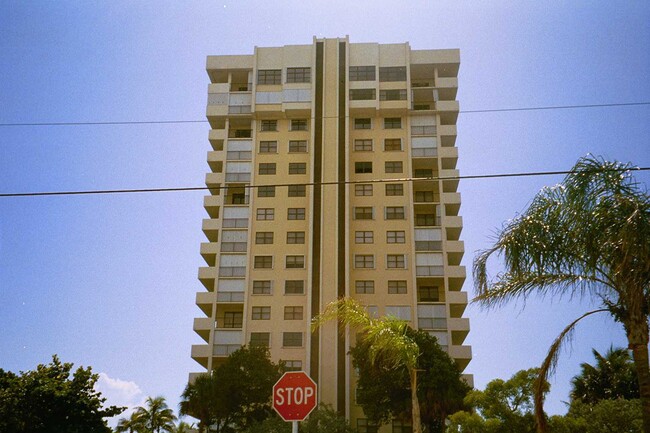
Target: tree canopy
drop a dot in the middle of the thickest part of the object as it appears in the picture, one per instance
(48, 399)
(384, 393)
(588, 236)
(237, 393)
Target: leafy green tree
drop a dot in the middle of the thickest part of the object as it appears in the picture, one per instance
(588, 236)
(132, 424)
(323, 419)
(387, 340)
(606, 416)
(49, 400)
(505, 406)
(156, 416)
(237, 394)
(200, 399)
(183, 427)
(384, 393)
(611, 378)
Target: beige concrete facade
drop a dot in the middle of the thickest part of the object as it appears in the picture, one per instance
(323, 181)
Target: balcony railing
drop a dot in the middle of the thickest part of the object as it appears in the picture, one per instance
(232, 271)
(429, 271)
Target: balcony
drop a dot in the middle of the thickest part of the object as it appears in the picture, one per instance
(215, 160)
(207, 276)
(209, 252)
(211, 203)
(204, 301)
(451, 198)
(457, 303)
(457, 272)
(201, 353)
(211, 229)
(203, 326)
(462, 355)
(448, 111)
(213, 181)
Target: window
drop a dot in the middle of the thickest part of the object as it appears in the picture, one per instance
(298, 146)
(261, 287)
(297, 168)
(395, 237)
(395, 261)
(362, 94)
(292, 365)
(397, 287)
(269, 76)
(260, 339)
(363, 237)
(263, 262)
(295, 237)
(269, 125)
(364, 287)
(362, 73)
(268, 146)
(425, 219)
(296, 213)
(366, 426)
(264, 237)
(265, 214)
(233, 319)
(363, 167)
(392, 144)
(363, 212)
(292, 339)
(295, 262)
(424, 196)
(266, 168)
(364, 261)
(297, 190)
(364, 145)
(362, 124)
(298, 124)
(392, 95)
(402, 427)
(292, 313)
(294, 287)
(363, 189)
(261, 313)
(266, 191)
(392, 73)
(393, 167)
(423, 173)
(392, 123)
(298, 75)
(428, 294)
(394, 189)
(394, 213)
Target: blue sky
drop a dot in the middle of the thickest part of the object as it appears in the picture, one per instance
(109, 281)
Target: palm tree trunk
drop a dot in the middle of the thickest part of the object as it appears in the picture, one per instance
(417, 423)
(638, 340)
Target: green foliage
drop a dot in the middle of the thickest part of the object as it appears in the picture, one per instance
(588, 236)
(612, 377)
(322, 420)
(606, 416)
(384, 391)
(156, 416)
(238, 393)
(504, 406)
(48, 400)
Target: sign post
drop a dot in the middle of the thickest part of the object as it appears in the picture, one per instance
(294, 397)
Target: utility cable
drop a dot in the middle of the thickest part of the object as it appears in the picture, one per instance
(159, 122)
(348, 182)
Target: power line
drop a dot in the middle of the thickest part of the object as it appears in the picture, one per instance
(349, 182)
(158, 122)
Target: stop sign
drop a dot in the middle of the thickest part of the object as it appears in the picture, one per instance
(294, 396)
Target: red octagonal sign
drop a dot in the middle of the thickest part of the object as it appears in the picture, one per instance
(294, 396)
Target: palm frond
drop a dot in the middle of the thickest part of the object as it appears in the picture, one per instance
(550, 363)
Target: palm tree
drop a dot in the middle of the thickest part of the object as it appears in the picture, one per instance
(183, 427)
(589, 237)
(387, 338)
(611, 378)
(157, 415)
(198, 400)
(133, 424)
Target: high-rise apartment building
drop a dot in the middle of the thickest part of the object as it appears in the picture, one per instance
(327, 179)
